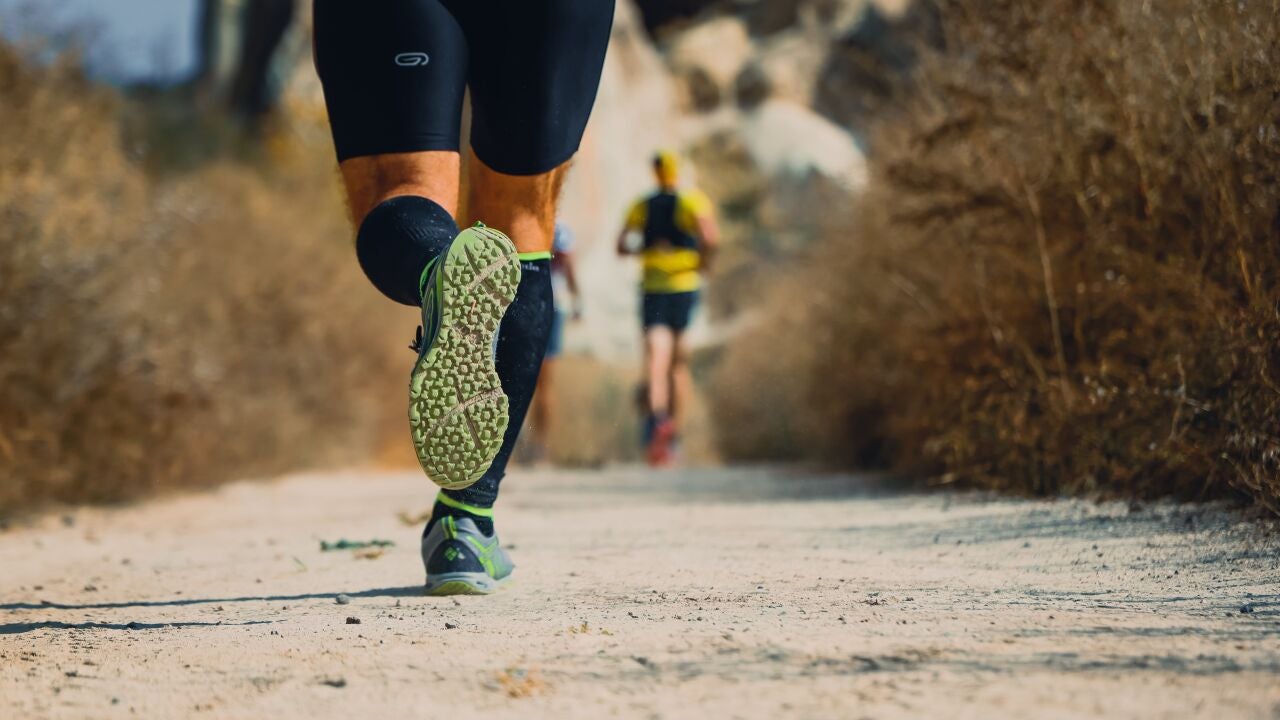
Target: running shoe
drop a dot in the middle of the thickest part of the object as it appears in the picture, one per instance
(457, 410)
(662, 440)
(460, 560)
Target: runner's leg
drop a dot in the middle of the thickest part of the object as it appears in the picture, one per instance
(374, 179)
(393, 77)
(535, 69)
(659, 344)
(527, 205)
(681, 380)
(543, 408)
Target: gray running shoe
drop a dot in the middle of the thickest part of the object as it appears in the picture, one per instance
(460, 560)
(457, 410)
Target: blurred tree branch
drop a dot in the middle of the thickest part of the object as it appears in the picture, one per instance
(236, 45)
(208, 36)
(263, 25)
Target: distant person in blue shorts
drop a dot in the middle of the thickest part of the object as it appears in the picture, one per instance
(568, 304)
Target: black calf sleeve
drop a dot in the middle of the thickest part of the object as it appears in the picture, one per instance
(522, 343)
(397, 240)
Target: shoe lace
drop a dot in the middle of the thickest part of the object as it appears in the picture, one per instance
(418, 340)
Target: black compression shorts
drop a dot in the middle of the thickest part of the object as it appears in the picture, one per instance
(394, 72)
(672, 310)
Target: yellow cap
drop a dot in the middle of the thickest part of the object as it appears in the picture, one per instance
(666, 166)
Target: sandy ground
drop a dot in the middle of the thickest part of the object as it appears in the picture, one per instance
(718, 593)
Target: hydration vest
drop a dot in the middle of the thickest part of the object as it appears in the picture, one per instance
(660, 223)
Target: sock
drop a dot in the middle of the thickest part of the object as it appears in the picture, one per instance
(483, 517)
(522, 343)
(651, 423)
(397, 240)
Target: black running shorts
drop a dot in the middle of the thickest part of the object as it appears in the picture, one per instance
(394, 72)
(672, 310)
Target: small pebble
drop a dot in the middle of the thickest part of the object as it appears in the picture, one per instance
(343, 600)
(353, 621)
(450, 626)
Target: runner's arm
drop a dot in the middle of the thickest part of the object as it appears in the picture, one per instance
(708, 239)
(634, 223)
(568, 265)
(623, 248)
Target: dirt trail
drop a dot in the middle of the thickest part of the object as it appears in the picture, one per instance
(725, 593)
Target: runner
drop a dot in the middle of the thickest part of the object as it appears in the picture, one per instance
(393, 75)
(568, 303)
(679, 236)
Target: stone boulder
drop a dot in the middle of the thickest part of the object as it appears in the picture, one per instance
(707, 59)
(788, 141)
(785, 68)
(870, 62)
(661, 15)
(830, 17)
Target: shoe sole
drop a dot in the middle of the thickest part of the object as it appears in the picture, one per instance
(457, 410)
(462, 584)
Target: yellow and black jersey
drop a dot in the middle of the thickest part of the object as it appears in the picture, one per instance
(668, 221)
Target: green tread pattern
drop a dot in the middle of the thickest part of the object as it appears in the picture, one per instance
(457, 410)
(458, 587)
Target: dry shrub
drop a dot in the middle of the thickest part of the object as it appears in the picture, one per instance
(1066, 276)
(594, 418)
(172, 331)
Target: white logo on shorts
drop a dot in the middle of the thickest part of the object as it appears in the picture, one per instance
(412, 59)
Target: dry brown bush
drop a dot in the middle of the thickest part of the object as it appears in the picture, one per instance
(1066, 276)
(172, 331)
